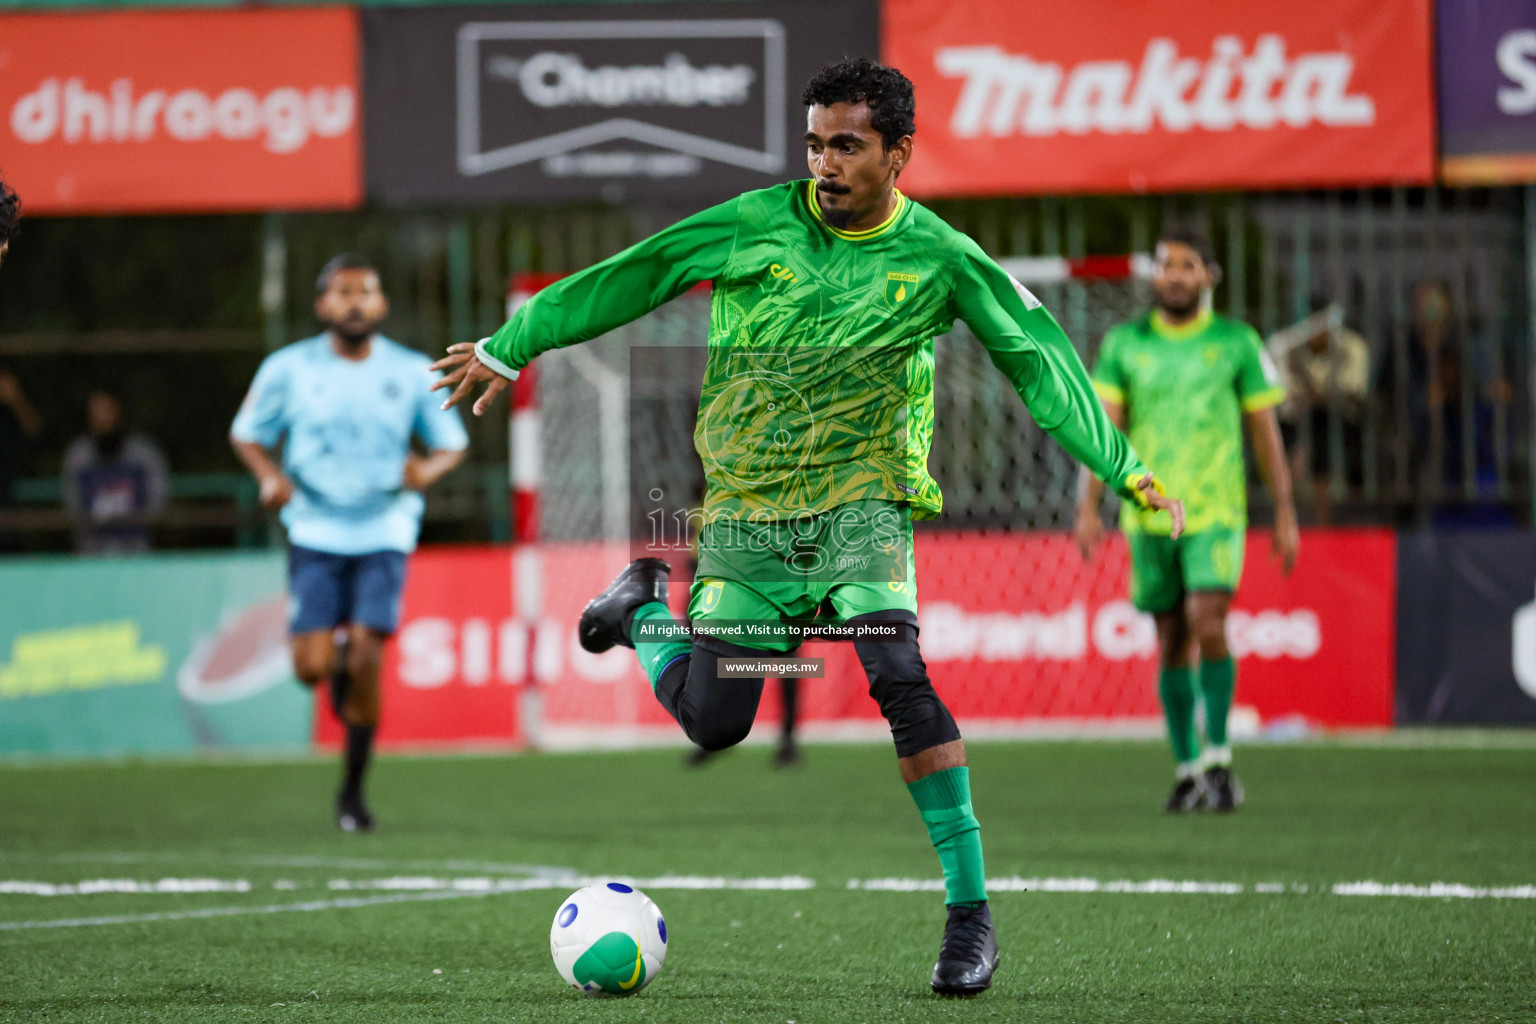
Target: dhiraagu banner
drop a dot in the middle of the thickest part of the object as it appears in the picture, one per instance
(159, 654)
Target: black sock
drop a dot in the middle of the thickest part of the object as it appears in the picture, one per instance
(789, 689)
(359, 746)
(340, 684)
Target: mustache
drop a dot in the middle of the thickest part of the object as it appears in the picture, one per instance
(831, 188)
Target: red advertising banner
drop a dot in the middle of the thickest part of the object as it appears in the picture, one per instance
(1018, 633)
(1115, 96)
(181, 111)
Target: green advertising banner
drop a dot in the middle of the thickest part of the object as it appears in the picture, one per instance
(159, 654)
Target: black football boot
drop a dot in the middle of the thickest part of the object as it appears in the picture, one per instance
(605, 620)
(969, 954)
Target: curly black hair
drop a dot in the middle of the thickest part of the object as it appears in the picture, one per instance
(10, 213)
(892, 107)
(1184, 234)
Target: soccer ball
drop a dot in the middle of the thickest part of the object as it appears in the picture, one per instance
(608, 939)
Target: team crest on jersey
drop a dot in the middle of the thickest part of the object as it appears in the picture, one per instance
(899, 288)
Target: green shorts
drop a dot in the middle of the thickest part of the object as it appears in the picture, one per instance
(1163, 570)
(786, 575)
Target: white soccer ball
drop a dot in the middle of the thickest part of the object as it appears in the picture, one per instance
(608, 939)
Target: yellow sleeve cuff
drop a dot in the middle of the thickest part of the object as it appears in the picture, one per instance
(1263, 399)
(1138, 495)
(1109, 392)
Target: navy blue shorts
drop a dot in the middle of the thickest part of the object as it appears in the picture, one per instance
(326, 591)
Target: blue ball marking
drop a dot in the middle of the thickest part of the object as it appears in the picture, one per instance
(619, 887)
(661, 926)
(567, 915)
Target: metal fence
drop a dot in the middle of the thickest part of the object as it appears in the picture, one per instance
(1429, 288)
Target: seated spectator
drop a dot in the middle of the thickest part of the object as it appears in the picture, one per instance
(1452, 390)
(1326, 369)
(115, 482)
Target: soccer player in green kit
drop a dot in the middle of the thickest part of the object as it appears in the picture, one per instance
(1185, 380)
(815, 421)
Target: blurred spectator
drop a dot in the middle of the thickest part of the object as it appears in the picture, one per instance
(19, 427)
(1326, 369)
(19, 423)
(115, 482)
(1453, 386)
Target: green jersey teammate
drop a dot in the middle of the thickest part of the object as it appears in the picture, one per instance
(1184, 380)
(814, 427)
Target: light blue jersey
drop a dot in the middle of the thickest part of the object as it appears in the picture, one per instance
(348, 426)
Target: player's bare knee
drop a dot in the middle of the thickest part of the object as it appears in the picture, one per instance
(311, 667)
(1213, 642)
(365, 657)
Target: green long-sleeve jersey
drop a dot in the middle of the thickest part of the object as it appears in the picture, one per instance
(818, 386)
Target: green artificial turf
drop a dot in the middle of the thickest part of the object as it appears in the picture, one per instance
(1317, 815)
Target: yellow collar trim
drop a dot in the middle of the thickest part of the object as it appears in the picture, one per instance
(855, 236)
(1184, 331)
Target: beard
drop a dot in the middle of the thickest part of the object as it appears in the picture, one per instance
(1179, 308)
(835, 216)
(353, 332)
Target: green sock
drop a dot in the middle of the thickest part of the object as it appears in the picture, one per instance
(1177, 688)
(1217, 681)
(656, 655)
(944, 800)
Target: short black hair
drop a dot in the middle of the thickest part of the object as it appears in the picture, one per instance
(10, 213)
(1195, 239)
(338, 263)
(892, 106)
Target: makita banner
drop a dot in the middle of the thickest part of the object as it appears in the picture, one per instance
(536, 102)
(1018, 633)
(1109, 96)
(1487, 59)
(181, 111)
(1467, 627)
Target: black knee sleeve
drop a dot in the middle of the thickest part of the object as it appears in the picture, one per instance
(898, 680)
(715, 713)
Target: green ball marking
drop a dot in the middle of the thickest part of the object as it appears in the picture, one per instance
(612, 963)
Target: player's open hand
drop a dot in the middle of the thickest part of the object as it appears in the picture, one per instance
(1155, 498)
(464, 371)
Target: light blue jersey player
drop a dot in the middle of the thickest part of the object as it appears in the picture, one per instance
(346, 406)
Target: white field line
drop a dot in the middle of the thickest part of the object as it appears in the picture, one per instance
(95, 886)
(1436, 891)
(281, 908)
(283, 861)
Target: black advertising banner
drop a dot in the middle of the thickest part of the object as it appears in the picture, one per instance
(532, 102)
(1466, 647)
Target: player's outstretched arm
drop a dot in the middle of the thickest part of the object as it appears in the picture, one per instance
(1030, 348)
(594, 301)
